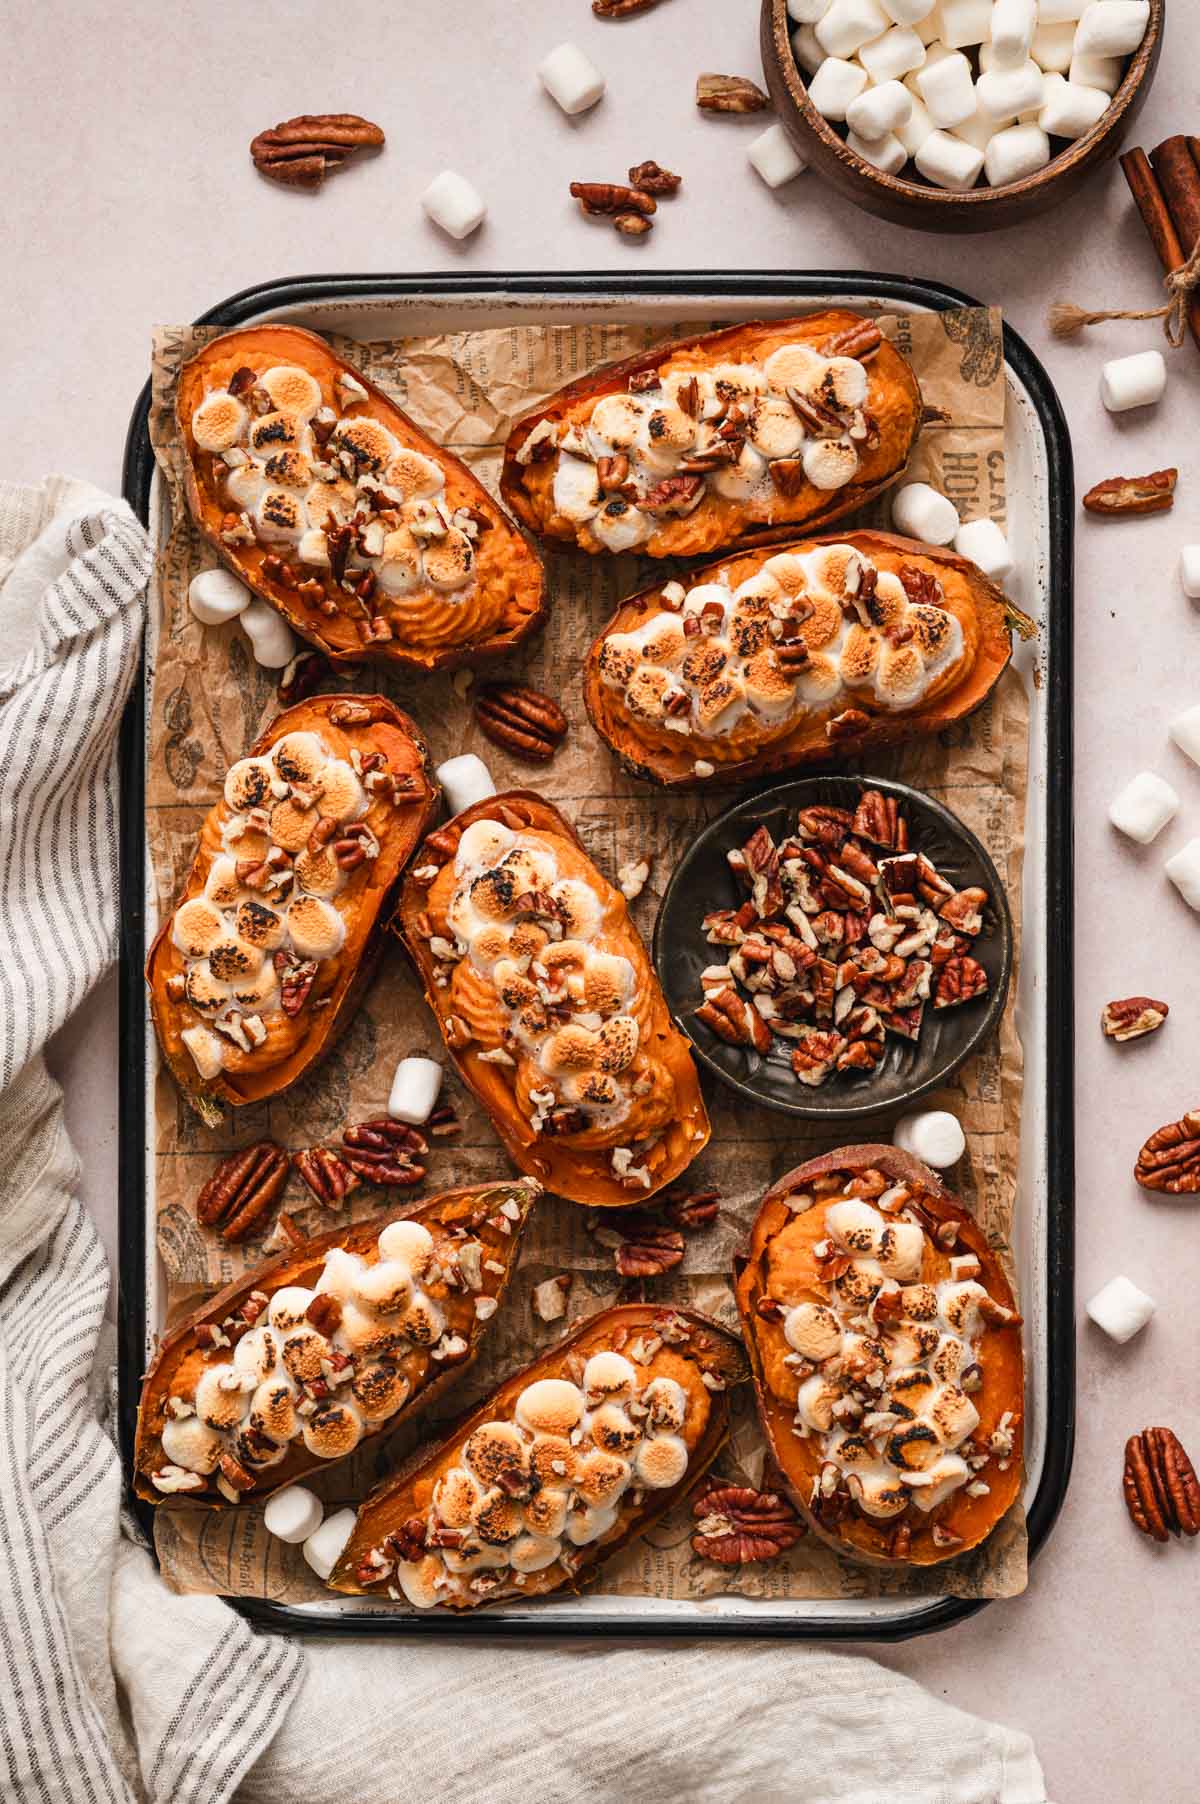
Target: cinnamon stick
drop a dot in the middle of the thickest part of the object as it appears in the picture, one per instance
(1158, 215)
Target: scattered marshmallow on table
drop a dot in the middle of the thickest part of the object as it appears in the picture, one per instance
(983, 542)
(886, 154)
(323, 1549)
(571, 78)
(1185, 731)
(1142, 809)
(216, 596)
(1189, 571)
(880, 110)
(415, 1089)
(1136, 381)
(835, 85)
(896, 53)
(1112, 27)
(965, 23)
(1184, 872)
(465, 780)
(934, 1136)
(849, 24)
(921, 512)
(1014, 153)
(293, 1514)
(776, 159)
(271, 638)
(1006, 92)
(947, 89)
(1068, 111)
(452, 203)
(1013, 25)
(1121, 1309)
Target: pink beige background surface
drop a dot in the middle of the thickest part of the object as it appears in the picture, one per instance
(141, 206)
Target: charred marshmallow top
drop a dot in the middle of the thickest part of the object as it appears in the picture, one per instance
(297, 474)
(751, 433)
(808, 632)
(526, 1493)
(268, 917)
(895, 1360)
(284, 1381)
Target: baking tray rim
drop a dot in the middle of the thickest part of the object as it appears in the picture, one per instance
(693, 286)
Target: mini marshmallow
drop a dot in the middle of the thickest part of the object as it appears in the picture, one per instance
(849, 23)
(920, 512)
(293, 1514)
(271, 638)
(885, 153)
(965, 22)
(807, 51)
(934, 1136)
(1053, 47)
(1112, 27)
(1060, 12)
(415, 1089)
(1018, 151)
(571, 78)
(465, 780)
(1068, 111)
(808, 12)
(835, 84)
(1142, 809)
(773, 155)
(1013, 25)
(918, 127)
(947, 89)
(907, 12)
(216, 596)
(1005, 93)
(895, 53)
(323, 1548)
(1184, 872)
(452, 203)
(983, 542)
(1106, 72)
(1185, 731)
(1136, 381)
(880, 110)
(1189, 571)
(1121, 1309)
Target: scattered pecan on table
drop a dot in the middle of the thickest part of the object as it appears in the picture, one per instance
(1132, 1017)
(735, 1524)
(729, 94)
(621, 9)
(1121, 497)
(384, 1152)
(327, 1175)
(521, 720)
(651, 178)
(300, 152)
(241, 1191)
(694, 1209)
(1170, 1159)
(1162, 1492)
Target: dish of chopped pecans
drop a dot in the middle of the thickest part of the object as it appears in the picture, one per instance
(861, 942)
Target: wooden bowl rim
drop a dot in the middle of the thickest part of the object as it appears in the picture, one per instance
(810, 122)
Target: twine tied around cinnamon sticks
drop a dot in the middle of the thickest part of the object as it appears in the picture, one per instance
(1166, 187)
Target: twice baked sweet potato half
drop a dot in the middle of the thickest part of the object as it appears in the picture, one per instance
(298, 1363)
(549, 1004)
(823, 650)
(886, 1354)
(567, 1462)
(260, 964)
(370, 539)
(734, 438)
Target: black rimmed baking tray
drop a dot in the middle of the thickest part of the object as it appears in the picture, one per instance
(1045, 1241)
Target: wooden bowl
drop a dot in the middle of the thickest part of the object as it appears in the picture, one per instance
(918, 203)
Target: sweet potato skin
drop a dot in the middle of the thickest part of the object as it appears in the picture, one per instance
(508, 557)
(672, 766)
(857, 1537)
(894, 397)
(577, 1176)
(392, 1501)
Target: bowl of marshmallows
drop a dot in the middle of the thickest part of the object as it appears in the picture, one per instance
(958, 115)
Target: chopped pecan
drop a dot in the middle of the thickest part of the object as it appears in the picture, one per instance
(696, 1210)
(1132, 1017)
(612, 473)
(964, 910)
(383, 1151)
(242, 1189)
(549, 1298)
(354, 845)
(408, 1542)
(296, 978)
(860, 341)
(846, 725)
(735, 1524)
(300, 152)
(647, 1247)
(329, 1178)
(652, 178)
(673, 495)
(815, 1055)
(921, 586)
(612, 197)
(733, 1020)
(621, 9)
(306, 674)
(959, 980)
(441, 845)
(787, 476)
(1170, 1159)
(729, 94)
(444, 1121)
(521, 720)
(1123, 496)
(1162, 1493)
(821, 421)
(324, 1312)
(234, 1473)
(878, 819)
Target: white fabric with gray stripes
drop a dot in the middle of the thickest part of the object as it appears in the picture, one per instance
(203, 1694)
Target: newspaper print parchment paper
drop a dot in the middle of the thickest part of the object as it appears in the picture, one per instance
(209, 699)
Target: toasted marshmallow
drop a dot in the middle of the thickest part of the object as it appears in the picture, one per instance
(960, 1306)
(720, 705)
(846, 382)
(682, 379)
(303, 1352)
(273, 1409)
(449, 562)
(616, 424)
(819, 681)
(546, 1511)
(586, 1526)
(206, 1051)
(495, 1450)
(421, 1580)
(854, 1224)
(666, 1402)
(861, 1284)
(953, 1416)
(813, 1330)
(796, 366)
(609, 1378)
(619, 525)
(198, 927)
(549, 1406)
(830, 463)
(532, 1553)
(205, 992)
(343, 797)
(647, 687)
(814, 1403)
(259, 925)
(341, 1274)
(878, 1493)
(233, 959)
(949, 1358)
(775, 427)
(611, 1429)
(667, 432)
(602, 1477)
(285, 470)
(219, 421)
(386, 1287)
(455, 1496)
(738, 382)
(288, 1308)
(409, 1243)
(379, 1391)
(661, 1462)
(576, 489)
(257, 1352)
(859, 654)
(220, 1400)
(335, 1430)
(496, 1519)
(937, 1481)
(415, 476)
(422, 1322)
(222, 886)
(553, 1460)
(788, 571)
(401, 572)
(483, 843)
(280, 518)
(608, 983)
(909, 1391)
(191, 1443)
(770, 692)
(244, 487)
(901, 1249)
(370, 1335)
(299, 757)
(368, 443)
(316, 929)
(738, 481)
(327, 504)
(913, 1447)
(274, 432)
(292, 390)
(472, 1558)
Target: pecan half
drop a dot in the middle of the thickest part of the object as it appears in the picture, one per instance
(878, 819)
(1121, 497)
(296, 979)
(383, 1151)
(846, 725)
(673, 495)
(733, 1020)
(621, 9)
(729, 94)
(1162, 1492)
(647, 1247)
(860, 341)
(305, 675)
(242, 1189)
(523, 721)
(300, 152)
(329, 1178)
(652, 178)
(324, 1312)
(735, 1524)
(1170, 1159)
(598, 198)
(1132, 1017)
(695, 1211)
(921, 586)
(787, 476)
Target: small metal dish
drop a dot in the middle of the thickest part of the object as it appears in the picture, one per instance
(702, 881)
